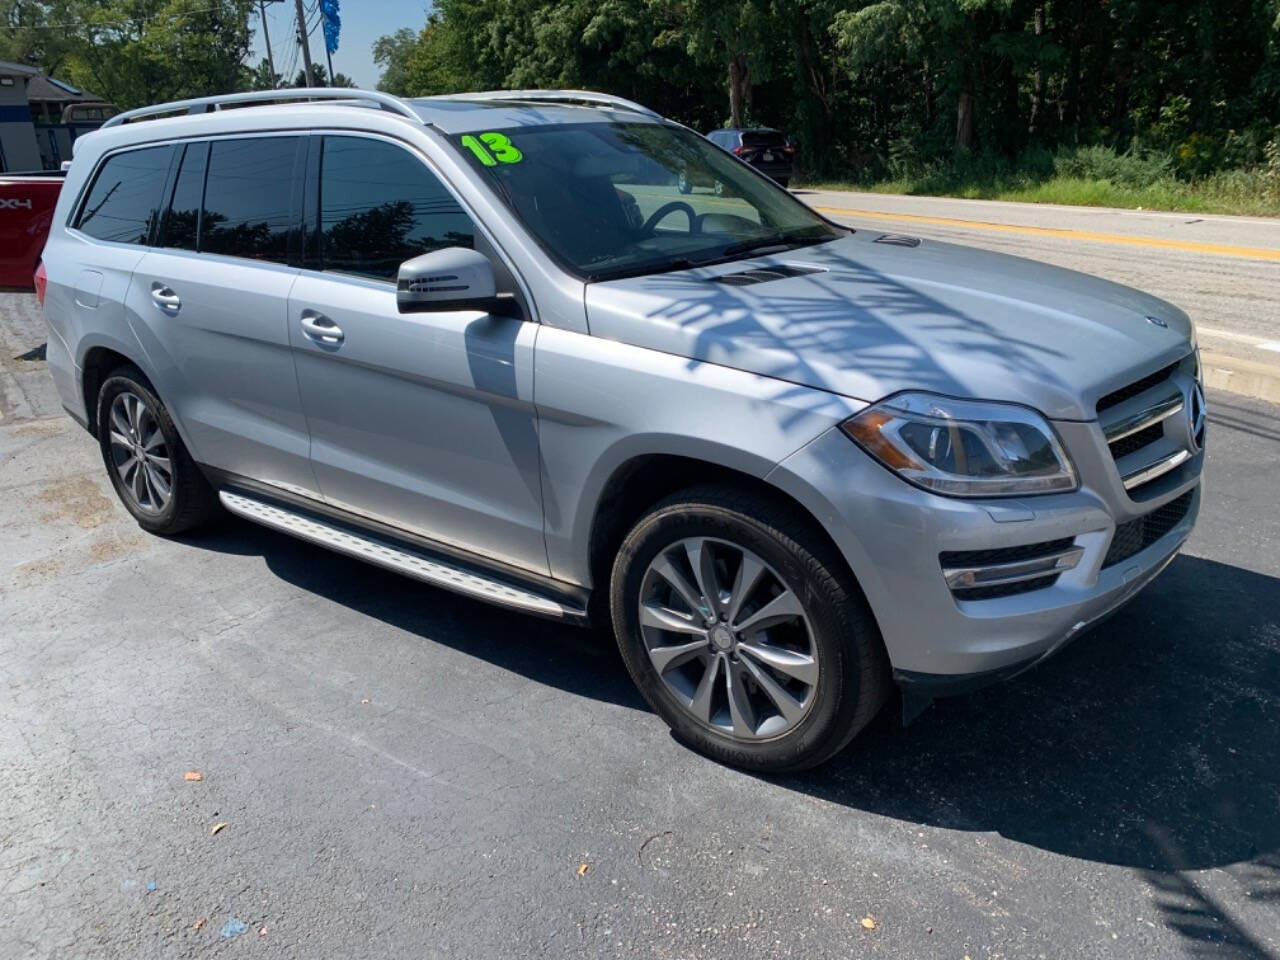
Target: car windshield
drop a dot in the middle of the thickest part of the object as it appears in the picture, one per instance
(609, 200)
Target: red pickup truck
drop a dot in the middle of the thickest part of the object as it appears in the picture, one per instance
(26, 209)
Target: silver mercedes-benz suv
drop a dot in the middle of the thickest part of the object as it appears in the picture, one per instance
(491, 342)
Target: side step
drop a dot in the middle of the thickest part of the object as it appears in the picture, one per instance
(400, 558)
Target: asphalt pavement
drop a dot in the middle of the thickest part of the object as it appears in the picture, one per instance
(387, 770)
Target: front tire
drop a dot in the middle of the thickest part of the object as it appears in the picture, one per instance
(149, 466)
(743, 630)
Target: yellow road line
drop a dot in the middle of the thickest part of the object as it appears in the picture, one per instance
(1216, 249)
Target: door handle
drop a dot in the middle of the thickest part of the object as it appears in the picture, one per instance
(321, 329)
(162, 296)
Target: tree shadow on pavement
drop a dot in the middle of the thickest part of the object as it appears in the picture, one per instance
(1152, 742)
(576, 660)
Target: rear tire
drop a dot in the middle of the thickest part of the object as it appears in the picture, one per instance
(783, 696)
(149, 466)
(784, 183)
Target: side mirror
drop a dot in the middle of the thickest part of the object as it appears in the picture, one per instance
(451, 278)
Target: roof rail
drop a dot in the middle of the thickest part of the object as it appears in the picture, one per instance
(586, 97)
(376, 98)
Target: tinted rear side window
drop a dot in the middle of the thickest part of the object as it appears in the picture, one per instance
(248, 198)
(380, 205)
(125, 198)
(182, 225)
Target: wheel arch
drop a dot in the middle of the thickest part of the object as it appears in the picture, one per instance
(96, 364)
(640, 482)
(98, 358)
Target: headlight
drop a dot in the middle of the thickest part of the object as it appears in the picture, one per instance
(964, 448)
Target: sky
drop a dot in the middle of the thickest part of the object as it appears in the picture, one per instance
(363, 22)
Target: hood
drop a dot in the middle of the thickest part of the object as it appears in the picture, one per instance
(867, 319)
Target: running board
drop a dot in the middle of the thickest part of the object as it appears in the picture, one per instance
(400, 558)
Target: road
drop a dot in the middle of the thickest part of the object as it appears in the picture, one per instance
(1224, 271)
(404, 773)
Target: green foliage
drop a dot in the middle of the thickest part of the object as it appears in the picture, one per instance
(1169, 89)
(133, 52)
(1129, 169)
(320, 78)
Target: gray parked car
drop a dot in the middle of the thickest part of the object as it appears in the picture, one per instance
(486, 341)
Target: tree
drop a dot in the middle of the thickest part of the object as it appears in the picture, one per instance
(870, 87)
(262, 77)
(392, 53)
(321, 78)
(134, 52)
(33, 33)
(727, 34)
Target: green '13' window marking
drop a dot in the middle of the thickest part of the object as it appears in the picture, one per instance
(503, 151)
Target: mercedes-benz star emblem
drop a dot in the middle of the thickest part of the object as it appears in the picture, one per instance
(1196, 418)
(1157, 321)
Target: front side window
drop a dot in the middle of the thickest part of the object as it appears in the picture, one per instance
(609, 200)
(380, 205)
(248, 198)
(125, 198)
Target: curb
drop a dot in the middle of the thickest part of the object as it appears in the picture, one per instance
(1252, 378)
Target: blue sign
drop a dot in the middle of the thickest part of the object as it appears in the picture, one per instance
(332, 24)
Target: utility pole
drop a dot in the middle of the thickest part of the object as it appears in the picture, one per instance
(306, 47)
(266, 38)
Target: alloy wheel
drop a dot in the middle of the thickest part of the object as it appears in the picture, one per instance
(139, 453)
(729, 638)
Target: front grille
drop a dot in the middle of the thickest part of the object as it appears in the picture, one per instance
(1134, 536)
(1136, 441)
(1117, 397)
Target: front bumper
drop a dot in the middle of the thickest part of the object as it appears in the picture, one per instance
(927, 686)
(892, 535)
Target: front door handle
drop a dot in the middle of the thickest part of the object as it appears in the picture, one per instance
(321, 329)
(162, 296)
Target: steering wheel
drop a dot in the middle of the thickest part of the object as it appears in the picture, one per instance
(665, 211)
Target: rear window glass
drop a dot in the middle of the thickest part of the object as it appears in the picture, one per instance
(125, 198)
(248, 198)
(762, 138)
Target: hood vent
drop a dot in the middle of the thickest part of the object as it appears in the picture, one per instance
(897, 240)
(764, 274)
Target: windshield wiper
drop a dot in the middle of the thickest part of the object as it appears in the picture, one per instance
(782, 241)
(644, 269)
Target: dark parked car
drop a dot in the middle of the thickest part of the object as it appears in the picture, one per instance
(766, 150)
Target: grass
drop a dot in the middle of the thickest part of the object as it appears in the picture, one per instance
(1092, 177)
(1195, 197)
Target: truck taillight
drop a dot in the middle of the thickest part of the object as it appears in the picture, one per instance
(41, 282)
(739, 151)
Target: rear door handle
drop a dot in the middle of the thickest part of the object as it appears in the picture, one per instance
(321, 329)
(162, 296)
